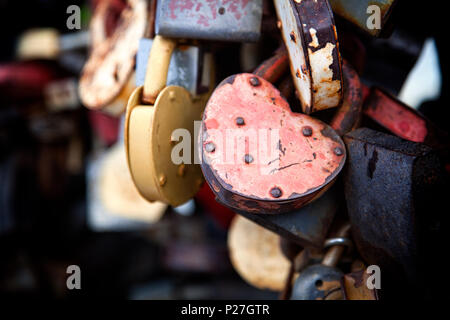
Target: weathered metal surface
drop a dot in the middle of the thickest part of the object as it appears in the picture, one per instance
(184, 66)
(310, 36)
(307, 226)
(354, 286)
(402, 120)
(236, 20)
(348, 115)
(273, 68)
(393, 189)
(111, 62)
(269, 146)
(356, 11)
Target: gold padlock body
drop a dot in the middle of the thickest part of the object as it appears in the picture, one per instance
(149, 145)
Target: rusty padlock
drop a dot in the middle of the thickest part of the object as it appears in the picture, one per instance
(248, 109)
(154, 114)
(323, 281)
(309, 32)
(106, 81)
(402, 120)
(395, 190)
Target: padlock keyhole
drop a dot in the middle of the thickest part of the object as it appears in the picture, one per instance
(318, 283)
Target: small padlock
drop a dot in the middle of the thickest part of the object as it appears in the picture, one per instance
(156, 117)
(402, 120)
(323, 281)
(310, 35)
(106, 76)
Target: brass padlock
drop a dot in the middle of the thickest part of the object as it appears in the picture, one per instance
(154, 113)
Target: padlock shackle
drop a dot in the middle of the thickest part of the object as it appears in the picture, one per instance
(157, 68)
(273, 68)
(333, 255)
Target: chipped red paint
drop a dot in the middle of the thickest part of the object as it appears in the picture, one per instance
(236, 7)
(179, 5)
(395, 116)
(302, 167)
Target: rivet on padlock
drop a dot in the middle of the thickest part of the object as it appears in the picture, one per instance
(323, 281)
(154, 111)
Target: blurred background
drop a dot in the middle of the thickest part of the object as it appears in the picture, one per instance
(63, 176)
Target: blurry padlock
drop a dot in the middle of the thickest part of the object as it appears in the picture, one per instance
(309, 32)
(253, 146)
(372, 16)
(402, 120)
(218, 20)
(395, 190)
(47, 43)
(256, 255)
(323, 281)
(157, 117)
(107, 75)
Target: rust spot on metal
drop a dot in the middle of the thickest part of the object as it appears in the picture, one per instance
(292, 35)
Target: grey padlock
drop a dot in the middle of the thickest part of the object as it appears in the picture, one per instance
(210, 20)
(323, 281)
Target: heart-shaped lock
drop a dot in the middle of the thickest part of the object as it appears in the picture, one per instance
(260, 157)
(152, 131)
